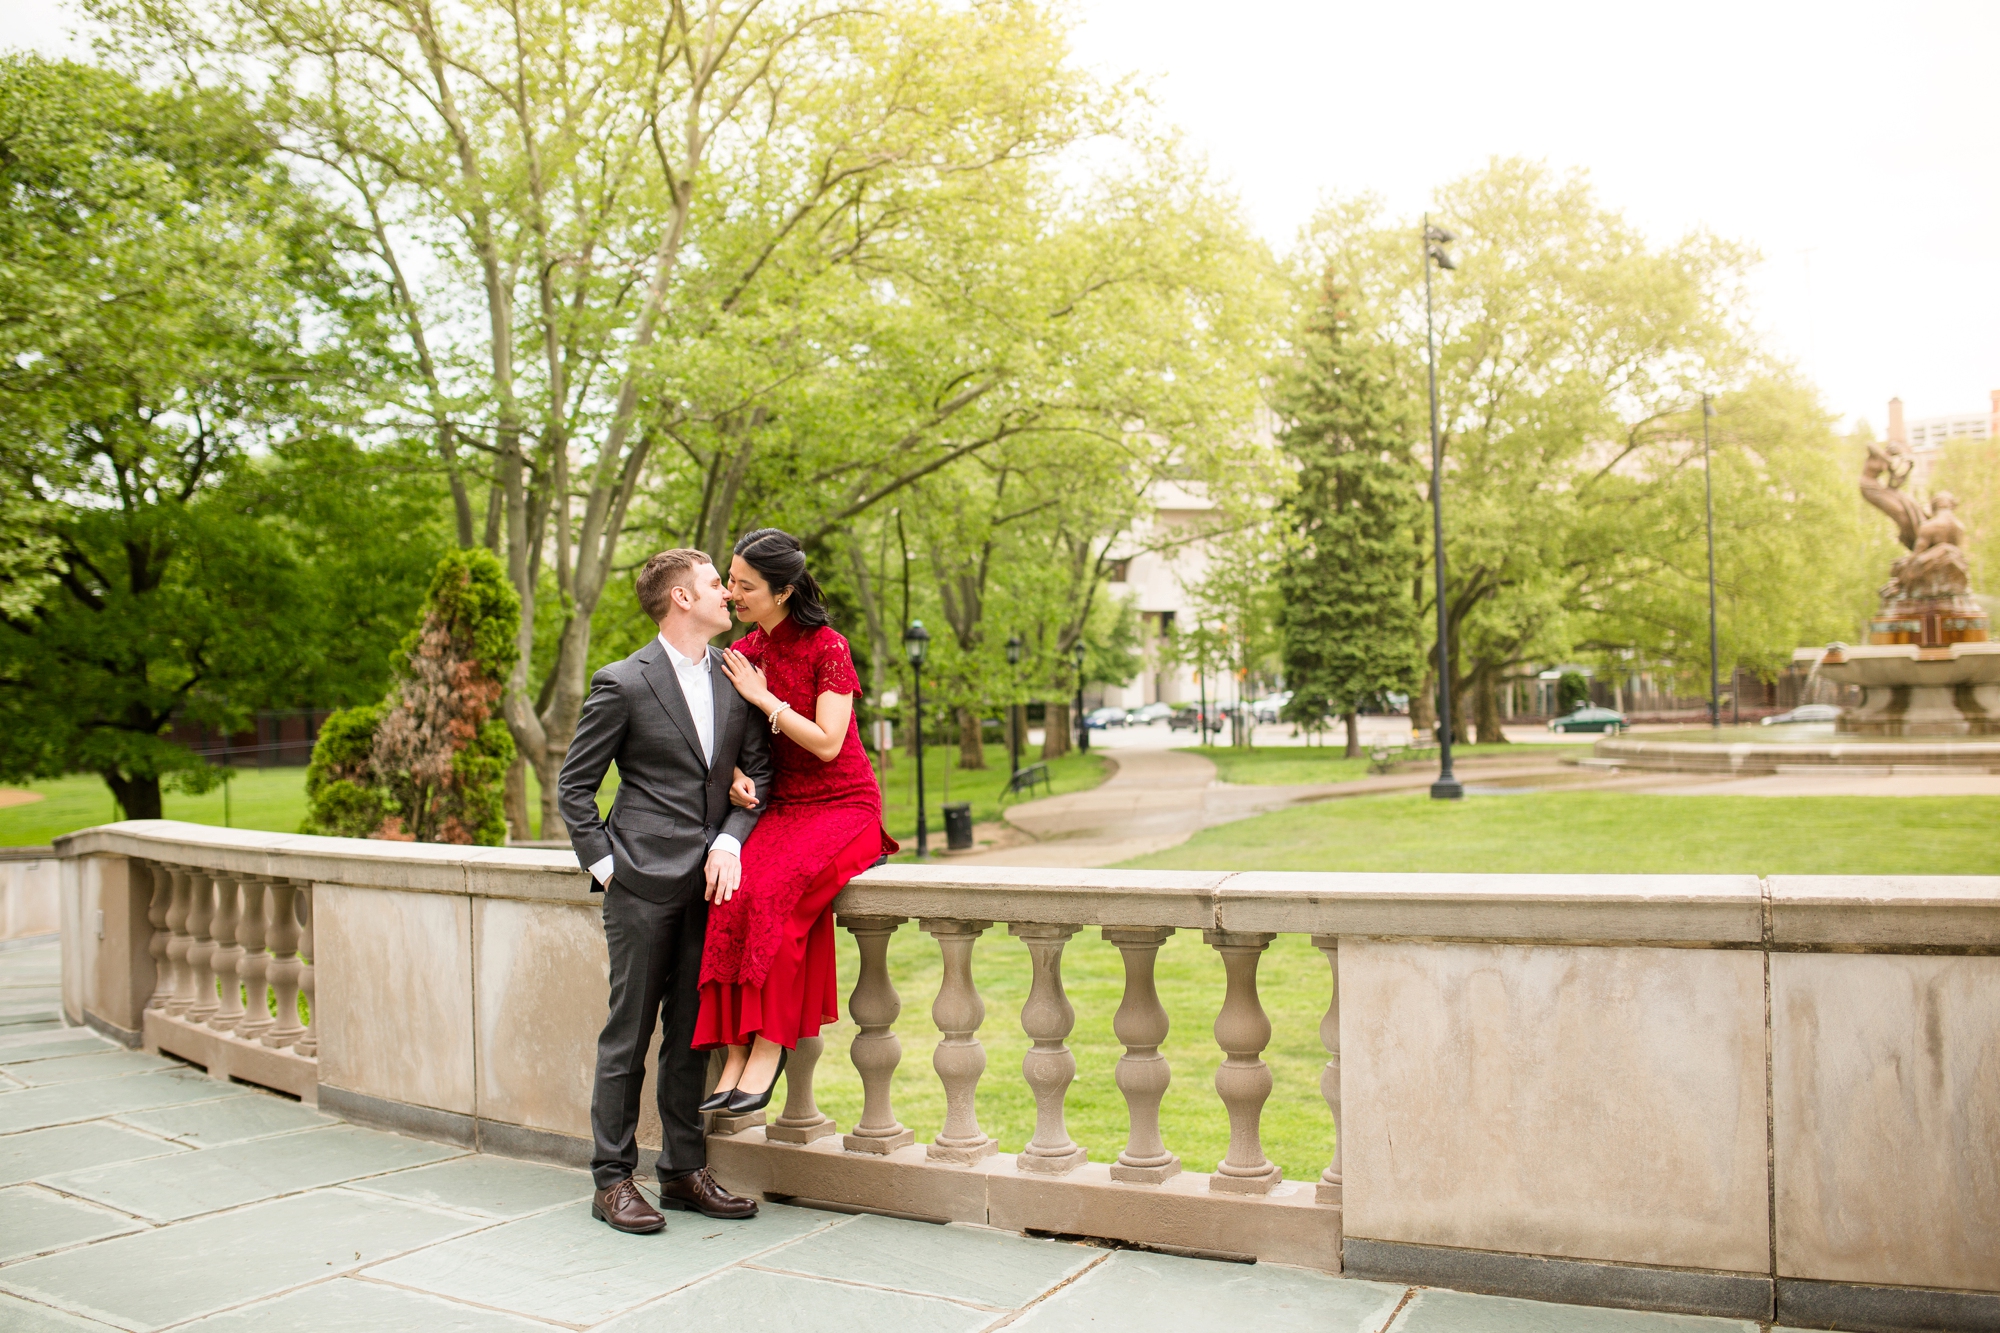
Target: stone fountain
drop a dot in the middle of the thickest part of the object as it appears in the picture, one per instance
(1929, 674)
(1929, 667)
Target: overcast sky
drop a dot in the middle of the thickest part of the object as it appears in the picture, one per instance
(1856, 146)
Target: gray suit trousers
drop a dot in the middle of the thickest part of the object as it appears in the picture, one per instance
(655, 974)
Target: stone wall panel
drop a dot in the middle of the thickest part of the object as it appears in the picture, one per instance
(1586, 1103)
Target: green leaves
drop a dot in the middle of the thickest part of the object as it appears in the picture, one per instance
(1347, 595)
(169, 318)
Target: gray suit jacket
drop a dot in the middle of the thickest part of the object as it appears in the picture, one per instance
(670, 804)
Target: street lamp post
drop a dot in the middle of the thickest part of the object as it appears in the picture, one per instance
(1082, 731)
(1014, 650)
(915, 640)
(1714, 649)
(1447, 787)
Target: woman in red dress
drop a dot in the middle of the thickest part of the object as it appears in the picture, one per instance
(767, 974)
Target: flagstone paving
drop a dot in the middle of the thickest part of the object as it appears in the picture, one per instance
(138, 1194)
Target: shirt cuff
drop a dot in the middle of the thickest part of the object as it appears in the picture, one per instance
(726, 842)
(600, 871)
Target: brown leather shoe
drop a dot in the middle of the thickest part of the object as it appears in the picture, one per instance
(623, 1208)
(700, 1194)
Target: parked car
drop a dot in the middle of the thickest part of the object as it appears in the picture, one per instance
(1805, 713)
(1098, 719)
(1267, 708)
(1186, 717)
(1589, 718)
(1148, 715)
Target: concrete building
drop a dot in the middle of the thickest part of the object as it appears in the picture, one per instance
(1164, 559)
(1926, 437)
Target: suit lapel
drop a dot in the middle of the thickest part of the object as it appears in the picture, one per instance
(658, 672)
(723, 692)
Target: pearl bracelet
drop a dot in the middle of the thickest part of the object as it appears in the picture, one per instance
(777, 713)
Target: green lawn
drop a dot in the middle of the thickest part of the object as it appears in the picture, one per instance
(272, 799)
(1295, 765)
(1298, 1133)
(1621, 832)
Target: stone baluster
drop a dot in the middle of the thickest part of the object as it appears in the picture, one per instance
(1243, 1080)
(959, 1058)
(874, 1006)
(179, 941)
(227, 961)
(156, 917)
(251, 930)
(284, 969)
(1048, 1066)
(1143, 1075)
(201, 953)
(1329, 1077)
(308, 1043)
(802, 1121)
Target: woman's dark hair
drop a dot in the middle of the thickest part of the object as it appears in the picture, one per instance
(776, 556)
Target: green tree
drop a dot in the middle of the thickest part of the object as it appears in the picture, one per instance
(1572, 357)
(429, 763)
(1235, 607)
(170, 312)
(1346, 578)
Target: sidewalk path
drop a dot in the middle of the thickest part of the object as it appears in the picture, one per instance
(136, 1193)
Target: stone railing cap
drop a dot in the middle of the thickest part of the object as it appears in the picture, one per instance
(1920, 911)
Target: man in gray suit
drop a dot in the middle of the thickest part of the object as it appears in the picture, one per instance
(677, 729)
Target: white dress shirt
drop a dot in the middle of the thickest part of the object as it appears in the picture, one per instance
(698, 688)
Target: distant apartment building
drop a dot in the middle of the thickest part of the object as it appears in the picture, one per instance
(1162, 564)
(1926, 437)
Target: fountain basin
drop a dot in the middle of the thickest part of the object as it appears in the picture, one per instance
(1763, 751)
(1909, 690)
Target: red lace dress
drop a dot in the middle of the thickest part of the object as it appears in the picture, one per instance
(767, 965)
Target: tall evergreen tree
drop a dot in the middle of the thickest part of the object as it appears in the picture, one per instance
(1350, 622)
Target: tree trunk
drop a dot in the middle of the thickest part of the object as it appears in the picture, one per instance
(138, 798)
(1423, 707)
(971, 739)
(1486, 700)
(515, 801)
(1353, 721)
(1055, 731)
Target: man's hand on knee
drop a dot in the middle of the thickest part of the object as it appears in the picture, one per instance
(722, 872)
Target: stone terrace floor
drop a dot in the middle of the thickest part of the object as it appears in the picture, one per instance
(136, 1193)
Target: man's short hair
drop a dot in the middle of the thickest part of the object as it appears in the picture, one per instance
(663, 573)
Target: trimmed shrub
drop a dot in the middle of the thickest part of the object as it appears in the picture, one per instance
(429, 763)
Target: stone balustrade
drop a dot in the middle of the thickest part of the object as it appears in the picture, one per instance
(1766, 1098)
(236, 957)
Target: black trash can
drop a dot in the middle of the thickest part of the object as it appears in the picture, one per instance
(958, 826)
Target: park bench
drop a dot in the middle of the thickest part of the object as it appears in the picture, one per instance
(1024, 779)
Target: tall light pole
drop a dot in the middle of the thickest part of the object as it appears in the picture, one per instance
(1014, 650)
(1714, 649)
(1082, 731)
(915, 640)
(1447, 787)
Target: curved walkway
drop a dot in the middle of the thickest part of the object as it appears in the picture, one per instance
(1158, 799)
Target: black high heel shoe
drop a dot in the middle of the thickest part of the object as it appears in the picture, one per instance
(715, 1101)
(743, 1103)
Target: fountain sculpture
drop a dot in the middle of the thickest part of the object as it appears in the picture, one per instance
(1929, 667)
(1929, 674)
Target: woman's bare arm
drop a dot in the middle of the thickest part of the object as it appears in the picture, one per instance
(821, 735)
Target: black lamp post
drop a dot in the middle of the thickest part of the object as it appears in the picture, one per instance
(915, 640)
(1714, 650)
(1447, 787)
(1014, 650)
(1082, 731)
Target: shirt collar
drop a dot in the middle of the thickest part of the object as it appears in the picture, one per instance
(681, 663)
